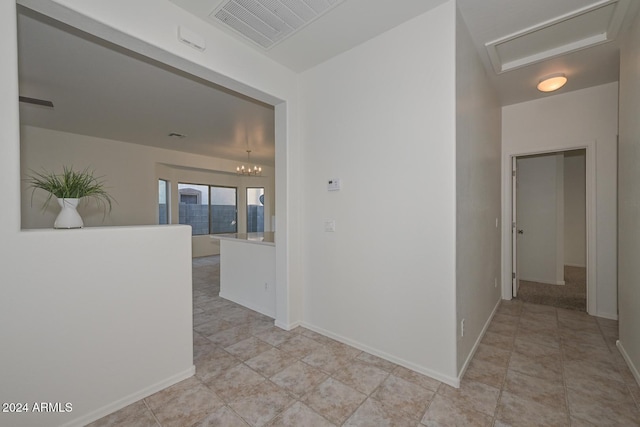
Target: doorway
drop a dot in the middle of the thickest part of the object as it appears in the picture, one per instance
(550, 233)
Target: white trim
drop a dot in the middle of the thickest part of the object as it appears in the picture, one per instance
(287, 326)
(607, 316)
(132, 398)
(477, 343)
(591, 220)
(452, 381)
(574, 265)
(625, 356)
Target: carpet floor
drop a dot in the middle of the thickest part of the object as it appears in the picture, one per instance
(572, 295)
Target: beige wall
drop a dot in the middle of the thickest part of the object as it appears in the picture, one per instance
(477, 197)
(131, 172)
(628, 197)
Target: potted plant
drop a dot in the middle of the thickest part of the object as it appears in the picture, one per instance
(69, 187)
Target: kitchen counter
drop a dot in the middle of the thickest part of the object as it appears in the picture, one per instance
(266, 238)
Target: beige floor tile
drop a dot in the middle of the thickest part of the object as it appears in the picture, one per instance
(584, 406)
(299, 378)
(498, 340)
(416, 378)
(230, 336)
(512, 307)
(361, 376)
(260, 404)
(334, 401)
(546, 392)
(327, 359)
(506, 329)
(189, 407)
(373, 413)
(135, 414)
(246, 349)
(486, 373)
(494, 355)
(545, 338)
(515, 410)
(401, 395)
(159, 399)
(545, 367)
(376, 361)
(445, 412)
(538, 308)
(223, 417)
(235, 381)
(270, 362)
(473, 395)
(274, 336)
(299, 346)
(593, 369)
(529, 348)
(299, 415)
(213, 326)
(215, 363)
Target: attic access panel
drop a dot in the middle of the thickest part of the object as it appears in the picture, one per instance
(580, 29)
(268, 22)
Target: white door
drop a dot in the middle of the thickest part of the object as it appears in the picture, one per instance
(515, 281)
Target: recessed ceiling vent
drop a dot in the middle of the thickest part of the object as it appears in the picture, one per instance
(268, 22)
(580, 29)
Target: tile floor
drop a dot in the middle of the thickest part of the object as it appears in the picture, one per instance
(536, 366)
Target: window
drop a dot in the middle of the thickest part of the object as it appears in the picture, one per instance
(255, 210)
(163, 199)
(208, 209)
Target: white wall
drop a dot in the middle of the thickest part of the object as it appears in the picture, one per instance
(575, 244)
(477, 196)
(34, 363)
(628, 197)
(566, 121)
(381, 118)
(540, 216)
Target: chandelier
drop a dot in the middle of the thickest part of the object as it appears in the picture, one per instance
(249, 171)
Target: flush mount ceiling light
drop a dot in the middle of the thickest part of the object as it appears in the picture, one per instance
(249, 171)
(552, 82)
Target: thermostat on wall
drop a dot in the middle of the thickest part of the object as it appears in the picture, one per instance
(333, 184)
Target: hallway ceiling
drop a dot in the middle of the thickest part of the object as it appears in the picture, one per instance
(105, 91)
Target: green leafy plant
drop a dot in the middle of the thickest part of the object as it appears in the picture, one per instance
(70, 184)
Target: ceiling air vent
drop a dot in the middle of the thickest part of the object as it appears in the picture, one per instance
(268, 22)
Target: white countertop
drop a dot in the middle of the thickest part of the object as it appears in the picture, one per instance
(266, 238)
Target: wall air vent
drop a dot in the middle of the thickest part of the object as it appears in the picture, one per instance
(268, 22)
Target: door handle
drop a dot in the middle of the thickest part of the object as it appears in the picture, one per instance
(520, 231)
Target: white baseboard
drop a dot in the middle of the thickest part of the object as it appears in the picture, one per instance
(287, 326)
(607, 316)
(452, 381)
(632, 367)
(574, 265)
(132, 398)
(477, 343)
(247, 304)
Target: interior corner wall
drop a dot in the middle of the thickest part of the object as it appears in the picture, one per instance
(572, 120)
(478, 130)
(381, 117)
(628, 196)
(131, 173)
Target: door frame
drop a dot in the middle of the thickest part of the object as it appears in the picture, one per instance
(590, 211)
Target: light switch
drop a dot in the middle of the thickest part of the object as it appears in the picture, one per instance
(334, 184)
(330, 226)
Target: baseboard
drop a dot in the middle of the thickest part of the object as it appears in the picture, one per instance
(248, 305)
(287, 326)
(477, 343)
(132, 398)
(574, 265)
(607, 316)
(452, 381)
(625, 356)
(544, 281)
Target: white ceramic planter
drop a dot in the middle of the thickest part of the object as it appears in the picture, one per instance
(68, 216)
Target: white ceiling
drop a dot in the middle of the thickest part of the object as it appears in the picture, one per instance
(107, 92)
